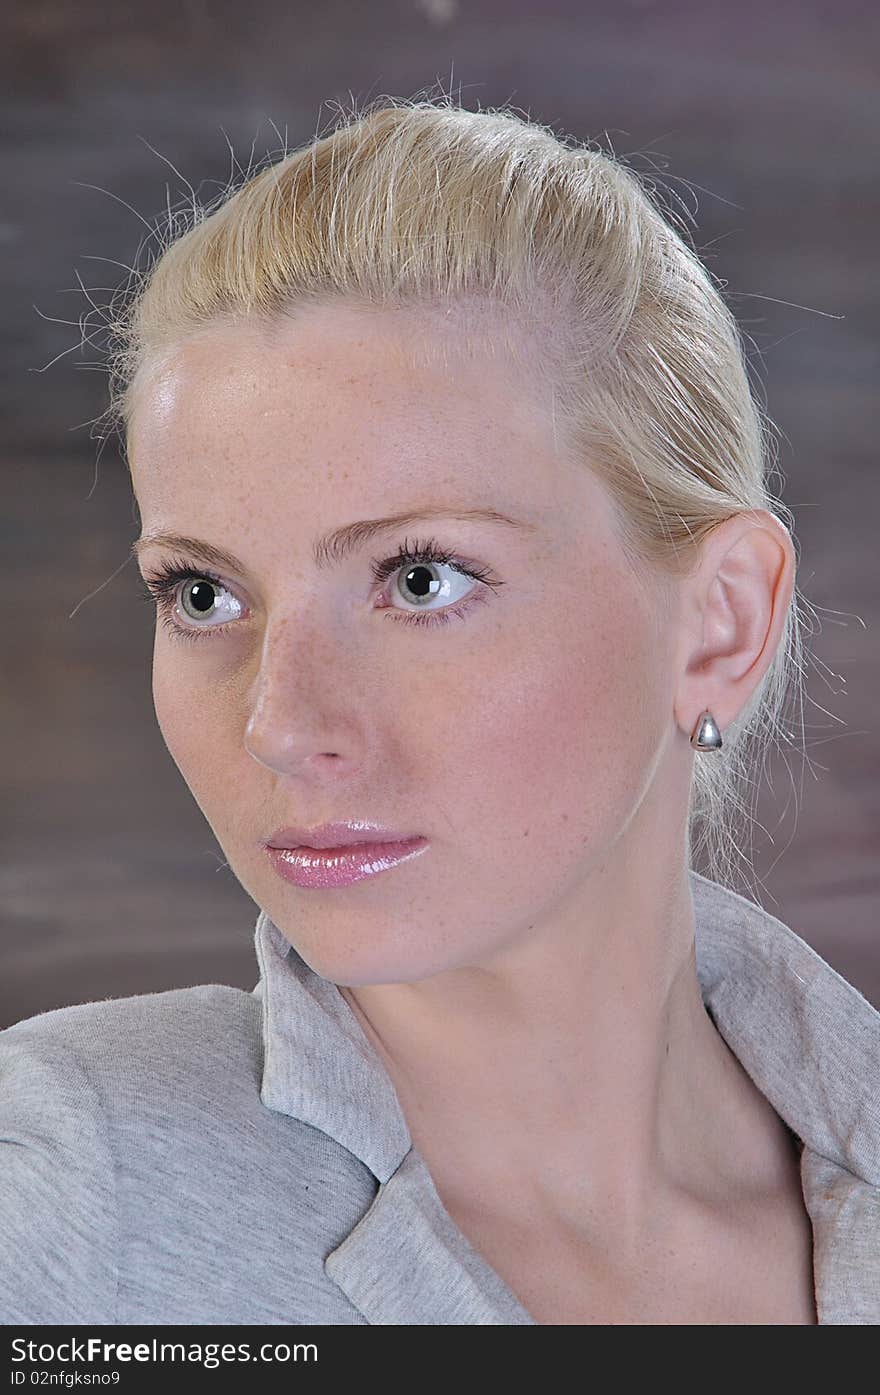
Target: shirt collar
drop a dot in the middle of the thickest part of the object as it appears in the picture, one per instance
(318, 1065)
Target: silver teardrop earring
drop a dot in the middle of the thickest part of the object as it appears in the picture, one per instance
(706, 736)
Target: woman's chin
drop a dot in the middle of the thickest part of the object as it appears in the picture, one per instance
(359, 965)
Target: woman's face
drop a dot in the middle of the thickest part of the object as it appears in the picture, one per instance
(520, 738)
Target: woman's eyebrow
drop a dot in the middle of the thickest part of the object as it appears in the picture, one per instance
(332, 548)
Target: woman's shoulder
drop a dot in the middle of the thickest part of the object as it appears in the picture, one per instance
(204, 1007)
(94, 1088)
(136, 1041)
(176, 1075)
(135, 1149)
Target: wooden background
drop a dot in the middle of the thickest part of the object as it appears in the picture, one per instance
(764, 118)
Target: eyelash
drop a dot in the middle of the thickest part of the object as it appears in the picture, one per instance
(162, 583)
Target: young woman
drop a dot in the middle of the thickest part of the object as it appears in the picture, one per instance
(474, 607)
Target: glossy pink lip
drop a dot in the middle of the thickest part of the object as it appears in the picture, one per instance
(340, 866)
(335, 835)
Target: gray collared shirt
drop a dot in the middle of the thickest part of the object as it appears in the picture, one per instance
(206, 1155)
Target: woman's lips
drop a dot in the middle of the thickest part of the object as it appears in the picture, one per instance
(327, 867)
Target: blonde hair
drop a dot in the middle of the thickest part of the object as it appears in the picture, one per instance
(420, 204)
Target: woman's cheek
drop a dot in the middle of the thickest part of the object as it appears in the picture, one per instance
(558, 746)
(188, 725)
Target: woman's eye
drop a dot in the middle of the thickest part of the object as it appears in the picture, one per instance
(196, 595)
(198, 599)
(430, 585)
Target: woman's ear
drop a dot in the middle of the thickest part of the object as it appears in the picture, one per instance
(733, 609)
